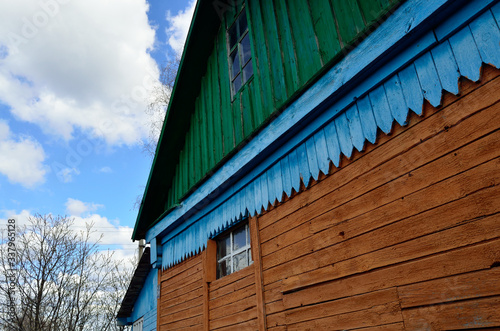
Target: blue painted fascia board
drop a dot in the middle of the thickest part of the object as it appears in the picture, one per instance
(123, 321)
(469, 11)
(156, 252)
(407, 29)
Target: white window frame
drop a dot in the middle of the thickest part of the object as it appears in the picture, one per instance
(138, 325)
(241, 75)
(231, 254)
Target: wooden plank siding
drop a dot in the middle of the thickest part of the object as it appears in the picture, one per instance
(190, 298)
(233, 301)
(292, 43)
(403, 236)
(181, 296)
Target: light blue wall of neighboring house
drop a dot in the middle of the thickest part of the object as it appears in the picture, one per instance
(350, 105)
(150, 320)
(145, 305)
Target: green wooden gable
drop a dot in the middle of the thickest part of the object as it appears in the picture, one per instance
(292, 43)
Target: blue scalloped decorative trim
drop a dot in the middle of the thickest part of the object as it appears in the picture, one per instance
(437, 70)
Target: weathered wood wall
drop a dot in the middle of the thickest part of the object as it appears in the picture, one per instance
(190, 301)
(181, 298)
(233, 301)
(403, 236)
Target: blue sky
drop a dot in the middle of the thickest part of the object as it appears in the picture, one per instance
(75, 79)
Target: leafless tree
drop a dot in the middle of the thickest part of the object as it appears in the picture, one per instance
(158, 102)
(157, 108)
(59, 280)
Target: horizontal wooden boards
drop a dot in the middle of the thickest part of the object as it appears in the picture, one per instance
(395, 193)
(482, 314)
(402, 219)
(233, 301)
(483, 283)
(181, 296)
(361, 302)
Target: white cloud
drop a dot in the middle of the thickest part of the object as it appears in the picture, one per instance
(21, 218)
(22, 158)
(179, 27)
(65, 175)
(106, 170)
(78, 65)
(105, 231)
(77, 208)
(108, 233)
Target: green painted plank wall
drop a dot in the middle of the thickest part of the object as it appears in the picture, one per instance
(291, 74)
(292, 41)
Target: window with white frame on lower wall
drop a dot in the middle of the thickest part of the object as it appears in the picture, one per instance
(233, 250)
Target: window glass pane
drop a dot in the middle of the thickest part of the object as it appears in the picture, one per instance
(242, 21)
(232, 36)
(236, 84)
(223, 247)
(237, 250)
(223, 268)
(240, 261)
(246, 50)
(239, 238)
(235, 63)
(247, 71)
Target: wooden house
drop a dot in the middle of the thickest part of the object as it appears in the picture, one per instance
(330, 165)
(138, 307)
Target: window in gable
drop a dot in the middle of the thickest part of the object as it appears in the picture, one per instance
(240, 53)
(233, 251)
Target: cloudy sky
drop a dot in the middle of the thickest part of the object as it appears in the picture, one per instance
(75, 78)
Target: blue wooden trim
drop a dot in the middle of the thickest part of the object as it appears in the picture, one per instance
(470, 10)
(303, 155)
(381, 110)
(368, 123)
(344, 135)
(487, 37)
(357, 136)
(156, 253)
(412, 90)
(305, 175)
(321, 152)
(447, 67)
(122, 321)
(466, 54)
(286, 178)
(429, 79)
(394, 92)
(294, 170)
(312, 158)
(496, 13)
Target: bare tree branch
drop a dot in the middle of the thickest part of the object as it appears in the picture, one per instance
(62, 281)
(158, 102)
